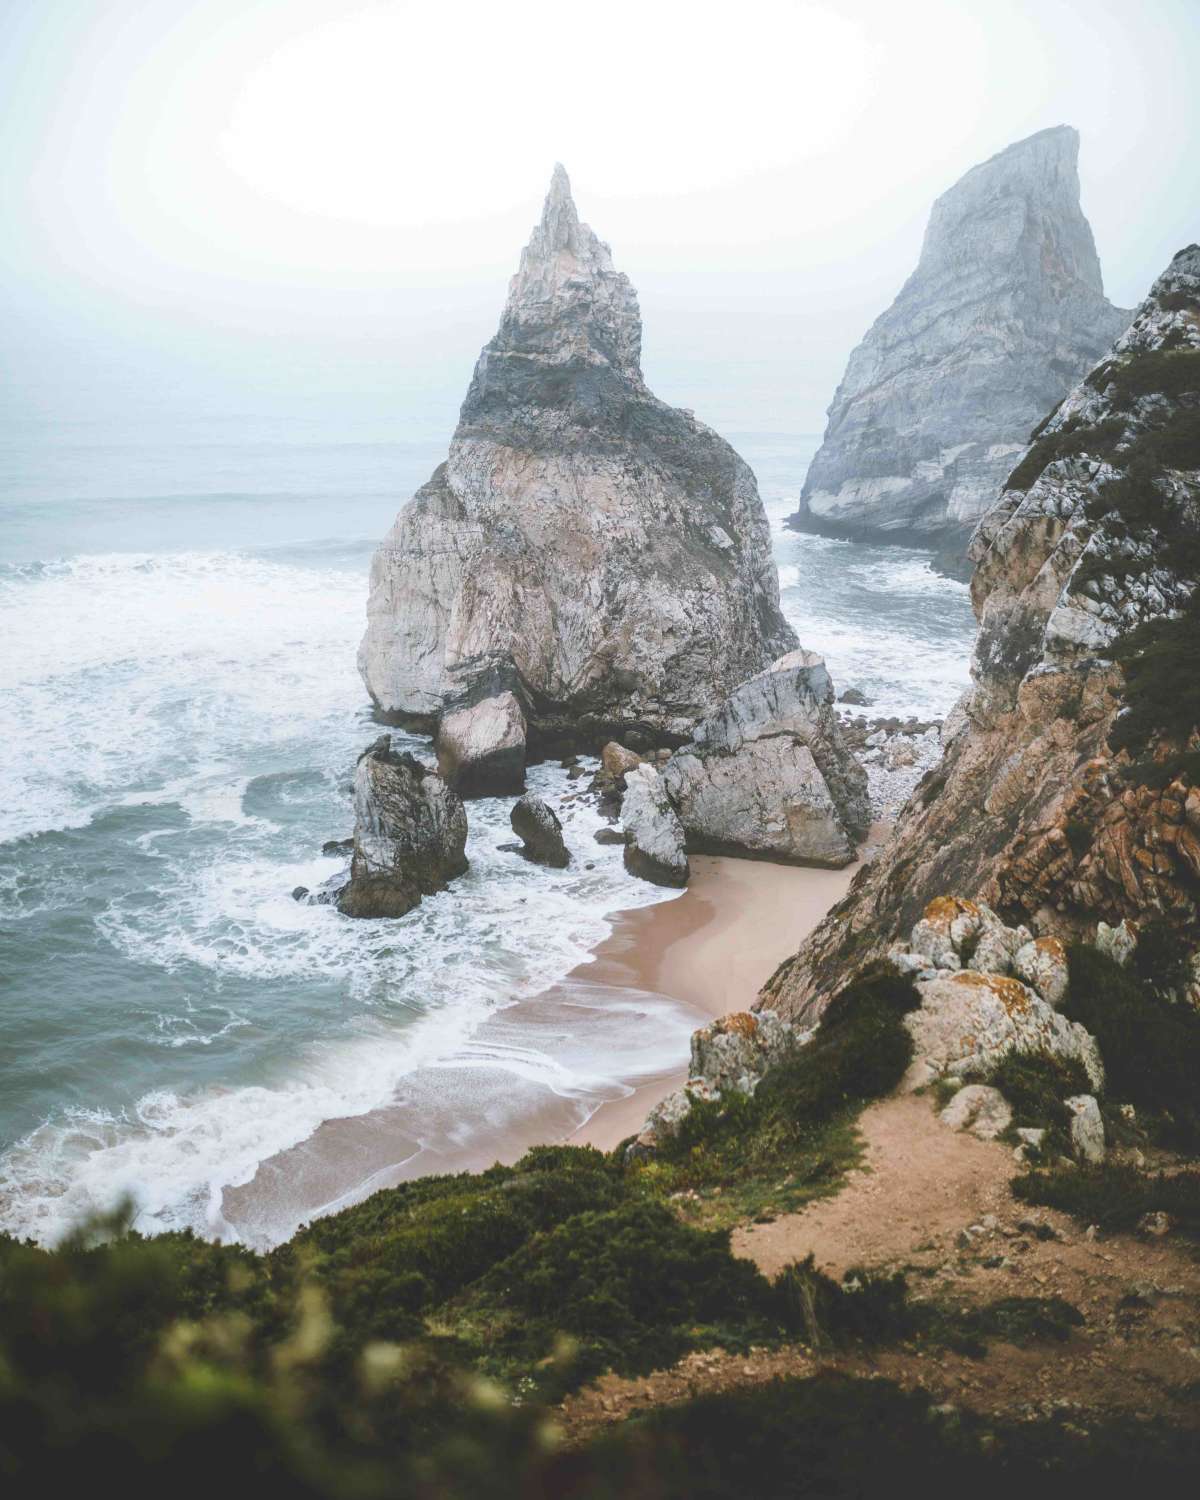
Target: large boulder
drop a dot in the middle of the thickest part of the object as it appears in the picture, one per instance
(536, 824)
(654, 839)
(768, 775)
(606, 553)
(481, 747)
(967, 1022)
(410, 834)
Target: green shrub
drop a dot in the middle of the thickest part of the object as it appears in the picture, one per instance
(1173, 372)
(1115, 1197)
(633, 1285)
(1161, 663)
(1150, 1047)
(1068, 442)
(867, 1308)
(1035, 1086)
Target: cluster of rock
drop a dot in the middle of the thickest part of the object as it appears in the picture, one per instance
(589, 563)
(1030, 809)
(986, 991)
(1004, 312)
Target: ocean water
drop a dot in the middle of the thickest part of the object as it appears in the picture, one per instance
(180, 604)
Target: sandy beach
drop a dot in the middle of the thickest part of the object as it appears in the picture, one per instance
(673, 966)
(713, 948)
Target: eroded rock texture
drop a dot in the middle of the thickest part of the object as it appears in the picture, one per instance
(1004, 312)
(769, 775)
(596, 552)
(410, 834)
(1033, 810)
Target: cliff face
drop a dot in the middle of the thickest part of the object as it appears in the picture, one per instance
(1004, 312)
(1070, 788)
(600, 554)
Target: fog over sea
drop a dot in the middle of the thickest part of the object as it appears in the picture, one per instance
(180, 603)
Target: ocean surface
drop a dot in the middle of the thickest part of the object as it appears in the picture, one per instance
(180, 712)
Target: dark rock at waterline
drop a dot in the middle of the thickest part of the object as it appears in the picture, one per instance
(855, 698)
(535, 822)
(609, 836)
(410, 834)
(300, 893)
(338, 846)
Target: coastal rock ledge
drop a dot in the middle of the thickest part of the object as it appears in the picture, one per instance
(601, 556)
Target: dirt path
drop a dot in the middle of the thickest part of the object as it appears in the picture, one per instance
(918, 1186)
(938, 1204)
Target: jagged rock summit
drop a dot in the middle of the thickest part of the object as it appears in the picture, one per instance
(1005, 311)
(599, 554)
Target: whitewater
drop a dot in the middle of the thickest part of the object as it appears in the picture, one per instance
(181, 714)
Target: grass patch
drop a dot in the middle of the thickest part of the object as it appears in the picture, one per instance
(1171, 372)
(1115, 1197)
(795, 1138)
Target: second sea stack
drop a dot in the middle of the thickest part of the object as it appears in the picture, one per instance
(1003, 314)
(603, 557)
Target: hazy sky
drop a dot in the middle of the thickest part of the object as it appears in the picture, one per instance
(315, 204)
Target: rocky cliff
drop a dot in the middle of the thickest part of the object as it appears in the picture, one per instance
(1004, 312)
(597, 553)
(1070, 788)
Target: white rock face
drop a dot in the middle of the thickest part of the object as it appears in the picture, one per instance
(654, 841)
(769, 775)
(1042, 964)
(1087, 1128)
(968, 1022)
(980, 1109)
(603, 556)
(1004, 312)
(481, 748)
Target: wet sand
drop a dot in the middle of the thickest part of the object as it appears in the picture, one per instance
(667, 968)
(714, 948)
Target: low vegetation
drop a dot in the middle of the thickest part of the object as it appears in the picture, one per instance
(1116, 1196)
(1150, 1045)
(1035, 1085)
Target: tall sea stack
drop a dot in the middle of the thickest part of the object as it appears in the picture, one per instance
(1004, 313)
(598, 555)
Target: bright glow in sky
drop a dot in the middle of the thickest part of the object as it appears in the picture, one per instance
(356, 120)
(324, 190)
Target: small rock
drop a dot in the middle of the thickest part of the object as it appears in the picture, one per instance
(338, 846)
(615, 760)
(855, 697)
(300, 892)
(609, 836)
(980, 1109)
(1155, 1223)
(536, 824)
(1118, 942)
(1087, 1128)
(1042, 964)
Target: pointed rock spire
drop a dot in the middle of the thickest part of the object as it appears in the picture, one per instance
(1005, 310)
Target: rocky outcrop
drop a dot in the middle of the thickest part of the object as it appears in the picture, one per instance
(731, 1055)
(481, 747)
(410, 834)
(1004, 312)
(654, 840)
(602, 555)
(768, 775)
(536, 824)
(982, 1110)
(1067, 795)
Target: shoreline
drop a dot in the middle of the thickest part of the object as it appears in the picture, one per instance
(713, 948)
(662, 971)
